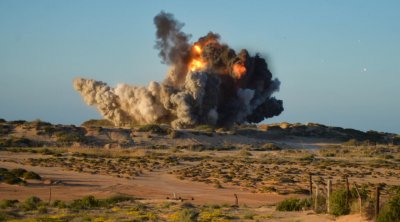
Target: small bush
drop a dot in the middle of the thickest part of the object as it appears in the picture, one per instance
(139, 207)
(18, 142)
(244, 153)
(42, 210)
(19, 172)
(352, 142)
(8, 204)
(85, 203)
(90, 202)
(31, 203)
(363, 192)
(116, 199)
(338, 202)
(267, 147)
(266, 189)
(391, 211)
(293, 204)
(153, 128)
(249, 216)
(59, 204)
(98, 123)
(308, 157)
(218, 185)
(14, 180)
(205, 128)
(188, 215)
(4, 216)
(187, 205)
(31, 176)
(66, 137)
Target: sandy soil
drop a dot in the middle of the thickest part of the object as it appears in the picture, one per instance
(152, 187)
(156, 185)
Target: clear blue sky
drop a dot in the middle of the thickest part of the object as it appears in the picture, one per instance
(338, 61)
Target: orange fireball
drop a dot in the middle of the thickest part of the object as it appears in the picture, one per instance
(197, 49)
(239, 70)
(197, 63)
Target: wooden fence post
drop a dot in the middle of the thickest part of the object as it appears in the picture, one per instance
(328, 195)
(50, 194)
(310, 179)
(236, 200)
(316, 197)
(377, 195)
(359, 197)
(347, 190)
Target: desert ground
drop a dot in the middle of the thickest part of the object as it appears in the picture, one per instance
(164, 175)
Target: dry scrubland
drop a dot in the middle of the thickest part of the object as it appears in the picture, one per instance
(154, 173)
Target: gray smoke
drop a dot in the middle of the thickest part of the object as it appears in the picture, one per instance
(173, 45)
(208, 83)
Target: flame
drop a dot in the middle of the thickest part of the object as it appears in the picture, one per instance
(197, 49)
(197, 65)
(197, 62)
(239, 70)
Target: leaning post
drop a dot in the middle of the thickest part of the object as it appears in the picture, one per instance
(236, 200)
(359, 197)
(328, 195)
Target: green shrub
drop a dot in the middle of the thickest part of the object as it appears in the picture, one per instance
(59, 204)
(67, 137)
(244, 153)
(13, 176)
(352, 142)
(98, 123)
(8, 204)
(267, 147)
(139, 207)
(31, 203)
(3, 170)
(249, 216)
(87, 202)
(218, 185)
(293, 204)
(14, 180)
(338, 202)
(308, 157)
(5, 174)
(391, 211)
(42, 210)
(205, 128)
(18, 142)
(153, 128)
(19, 172)
(31, 176)
(363, 192)
(266, 189)
(90, 202)
(4, 216)
(188, 215)
(115, 199)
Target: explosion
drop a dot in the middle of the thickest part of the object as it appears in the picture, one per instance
(208, 83)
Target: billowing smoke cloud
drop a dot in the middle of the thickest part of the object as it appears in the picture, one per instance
(208, 83)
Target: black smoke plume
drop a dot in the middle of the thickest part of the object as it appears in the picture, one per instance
(208, 83)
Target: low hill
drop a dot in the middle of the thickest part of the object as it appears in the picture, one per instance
(100, 133)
